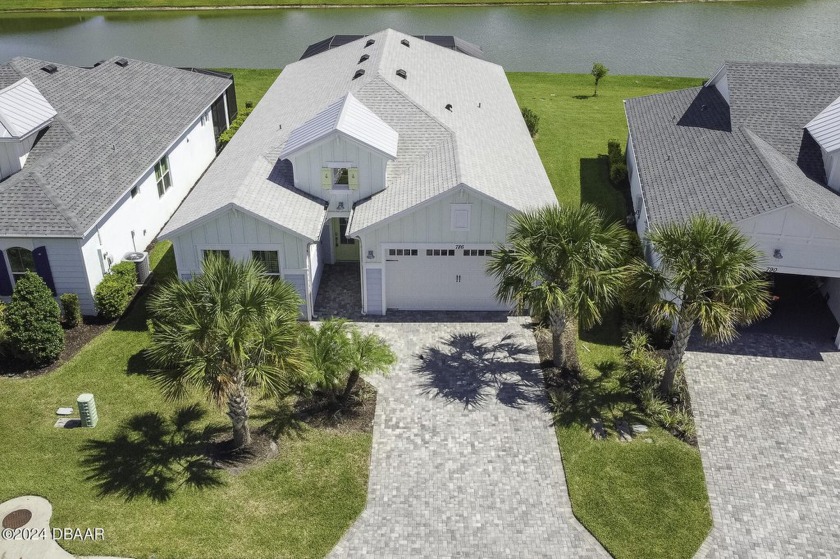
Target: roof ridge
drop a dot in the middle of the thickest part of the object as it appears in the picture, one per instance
(753, 140)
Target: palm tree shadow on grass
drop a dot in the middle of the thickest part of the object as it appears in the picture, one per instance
(153, 456)
(467, 369)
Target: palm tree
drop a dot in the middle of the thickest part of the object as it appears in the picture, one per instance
(368, 354)
(564, 263)
(707, 274)
(329, 355)
(338, 354)
(229, 330)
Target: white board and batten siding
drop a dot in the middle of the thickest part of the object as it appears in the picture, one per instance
(135, 220)
(807, 245)
(240, 233)
(418, 274)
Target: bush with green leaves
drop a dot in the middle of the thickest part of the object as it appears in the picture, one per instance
(71, 309)
(114, 292)
(127, 270)
(34, 322)
(4, 332)
(617, 163)
(532, 121)
(618, 174)
(614, 152)
(228, 134)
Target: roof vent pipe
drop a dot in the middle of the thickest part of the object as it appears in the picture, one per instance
(449, 107)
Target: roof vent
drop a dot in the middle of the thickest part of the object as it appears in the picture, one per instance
(363, 58)
(402, 73)
(50, 68)
(369, 43)
(98, 63)
(448, 107)
(405, 43)
(358, 74)
(121, 62)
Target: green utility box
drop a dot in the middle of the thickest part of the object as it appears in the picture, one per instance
(87, 409)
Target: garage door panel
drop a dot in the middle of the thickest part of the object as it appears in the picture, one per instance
(454, 282)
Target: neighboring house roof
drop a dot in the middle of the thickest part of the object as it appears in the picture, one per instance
(825, 128)
(697, 154)
(447, 41)
(351, 119)
(482, 142)
(23, 110)
(112, 125)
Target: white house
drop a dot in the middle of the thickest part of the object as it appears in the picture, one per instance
(94, 161)
(758, 145)
(390, 151)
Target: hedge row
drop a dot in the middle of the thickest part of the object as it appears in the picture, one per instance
(115, 291)
(618, 163)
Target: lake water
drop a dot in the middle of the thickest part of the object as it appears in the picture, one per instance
(659, 39)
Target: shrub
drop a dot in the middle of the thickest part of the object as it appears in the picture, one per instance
(4, 332)
(34, 322)
(614, 152)
(127, 270)
(227, 135)
(618, 173)
(532, 121)
(114, 293)
(71, 310)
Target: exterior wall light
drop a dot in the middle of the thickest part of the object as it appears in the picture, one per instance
(370, 255)
(340, 206)
(777, 253)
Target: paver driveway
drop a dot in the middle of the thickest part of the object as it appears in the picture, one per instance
(768, 421)
(465, 462)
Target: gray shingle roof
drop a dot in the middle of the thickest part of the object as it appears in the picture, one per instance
(113, 124)
(482, 142)
(696, 154)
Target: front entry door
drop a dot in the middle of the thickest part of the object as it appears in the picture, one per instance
(346, 249)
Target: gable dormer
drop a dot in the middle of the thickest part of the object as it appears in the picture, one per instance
(341, 154)
(23, 113)
(720, 81)
(825, 129)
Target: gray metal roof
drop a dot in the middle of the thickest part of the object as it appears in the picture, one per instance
(482, 142)
(696, 154)
(350, 118)
(113, 124)
(23, 110)
(825, 127)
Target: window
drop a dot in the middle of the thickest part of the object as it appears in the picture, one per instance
(163, 176)
(460, 217)
(216, 252)
(477, 252)
(269, 259)
(403, 252)
(21, 261)
(341, 178)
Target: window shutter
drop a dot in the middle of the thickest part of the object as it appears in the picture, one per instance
(353, 178)
(5, 279)
(326, 178)
(42, 267)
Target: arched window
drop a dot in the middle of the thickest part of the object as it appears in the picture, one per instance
(21, 261)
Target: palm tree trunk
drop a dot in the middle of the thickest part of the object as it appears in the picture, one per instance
(675, 354)
(351, 382)
(558, 321)
(238, 412)
(570, 337)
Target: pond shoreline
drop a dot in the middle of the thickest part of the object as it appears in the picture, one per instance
(249, 7)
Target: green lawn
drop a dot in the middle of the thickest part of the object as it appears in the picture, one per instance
(639, 499)
(298, 505)
(38, 5)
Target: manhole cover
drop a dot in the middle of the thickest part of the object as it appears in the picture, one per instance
(17, 519)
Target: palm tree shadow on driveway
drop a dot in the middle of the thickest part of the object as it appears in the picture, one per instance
(152, 456)
(469, 369)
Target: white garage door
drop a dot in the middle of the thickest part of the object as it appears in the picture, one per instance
(439, 279)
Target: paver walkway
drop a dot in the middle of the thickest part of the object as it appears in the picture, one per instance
(465, 462)
(768, 421)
